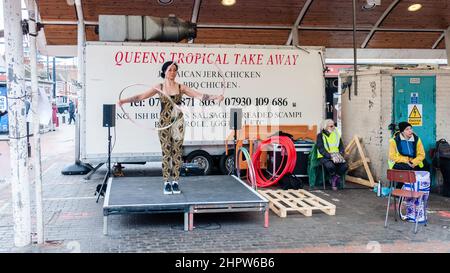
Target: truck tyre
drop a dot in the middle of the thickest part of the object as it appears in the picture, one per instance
(226, 164)
(203, 159)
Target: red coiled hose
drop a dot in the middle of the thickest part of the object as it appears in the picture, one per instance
(288, 146)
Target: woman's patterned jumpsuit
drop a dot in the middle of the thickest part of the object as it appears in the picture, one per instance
(171, 138)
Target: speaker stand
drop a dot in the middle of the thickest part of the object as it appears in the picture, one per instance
(236, 161)
(108, 172)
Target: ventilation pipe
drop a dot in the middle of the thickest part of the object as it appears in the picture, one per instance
(120, 28)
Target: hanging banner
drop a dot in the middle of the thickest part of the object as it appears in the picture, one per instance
(45, 108)
(272, 85)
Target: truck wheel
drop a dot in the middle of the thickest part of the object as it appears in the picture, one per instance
(203, 159)
(226, 164)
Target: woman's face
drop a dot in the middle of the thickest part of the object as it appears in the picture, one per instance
(171, 72)
(330, 126)
(408, 132)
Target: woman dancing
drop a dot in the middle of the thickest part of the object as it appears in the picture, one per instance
(172, 136)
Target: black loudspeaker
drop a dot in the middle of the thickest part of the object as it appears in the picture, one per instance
(303, 149)
(109, 115)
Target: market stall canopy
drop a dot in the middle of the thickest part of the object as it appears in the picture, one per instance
(381, 24)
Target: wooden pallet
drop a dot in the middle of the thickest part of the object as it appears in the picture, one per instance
(283, 201)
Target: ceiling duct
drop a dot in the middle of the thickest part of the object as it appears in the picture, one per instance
(169, 29)
(120, 28)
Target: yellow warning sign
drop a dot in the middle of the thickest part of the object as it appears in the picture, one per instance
(415, 114)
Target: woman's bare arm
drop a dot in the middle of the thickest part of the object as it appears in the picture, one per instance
(195, 94)
(147, 94)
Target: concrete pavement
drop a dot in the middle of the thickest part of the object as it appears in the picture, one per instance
(73, 220)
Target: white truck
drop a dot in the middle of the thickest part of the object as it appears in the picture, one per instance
(271, 84)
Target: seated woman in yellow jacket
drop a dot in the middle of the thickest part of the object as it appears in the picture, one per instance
(406, 150)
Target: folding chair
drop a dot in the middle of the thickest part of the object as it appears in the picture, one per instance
(405, 177)
(342, 185)
(314, 167)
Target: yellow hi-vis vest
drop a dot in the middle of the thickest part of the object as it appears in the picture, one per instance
(391, 163)
(331, 143)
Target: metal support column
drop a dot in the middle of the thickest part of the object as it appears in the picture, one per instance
(79, 168)
(17, 122)
(36, 123)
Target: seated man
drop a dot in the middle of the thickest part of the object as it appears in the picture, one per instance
(406, 150)
(329, 143)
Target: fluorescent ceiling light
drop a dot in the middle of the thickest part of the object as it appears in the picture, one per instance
(228, 2)
(414, 7)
